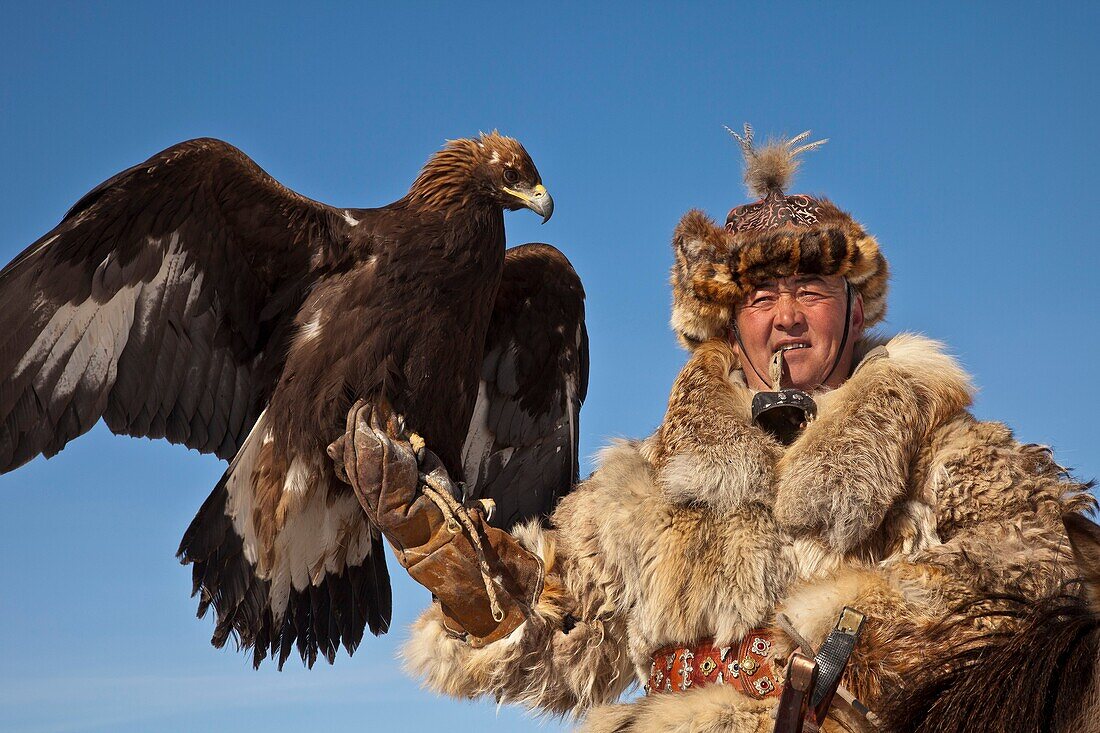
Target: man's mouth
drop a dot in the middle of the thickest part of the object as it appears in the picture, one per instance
(791, 346)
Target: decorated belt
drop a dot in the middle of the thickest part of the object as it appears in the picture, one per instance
(747, 665)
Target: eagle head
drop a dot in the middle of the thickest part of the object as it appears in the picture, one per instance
(492, 169)
(510, 176)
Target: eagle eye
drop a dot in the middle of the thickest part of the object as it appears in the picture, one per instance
(511, 176)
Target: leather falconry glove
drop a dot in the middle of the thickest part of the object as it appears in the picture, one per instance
(486, 584)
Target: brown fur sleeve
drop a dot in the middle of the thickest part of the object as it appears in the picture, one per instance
(544, 665)
(905, 601)
(814, 607)
(569, 655)
(978, 472)
(998, 507)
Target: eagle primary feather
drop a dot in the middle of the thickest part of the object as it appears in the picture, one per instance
(193, 297)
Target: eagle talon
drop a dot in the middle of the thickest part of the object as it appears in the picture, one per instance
(418, 446)
(488, 508)
(336, 453)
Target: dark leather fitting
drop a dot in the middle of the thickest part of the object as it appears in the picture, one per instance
(784, 413)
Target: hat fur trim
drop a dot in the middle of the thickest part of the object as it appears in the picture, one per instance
(715, 269)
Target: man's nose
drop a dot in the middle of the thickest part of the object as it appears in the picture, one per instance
(788, 314)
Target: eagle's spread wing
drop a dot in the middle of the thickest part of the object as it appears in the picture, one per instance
(521, 449)
(159, 303)
(165, 302)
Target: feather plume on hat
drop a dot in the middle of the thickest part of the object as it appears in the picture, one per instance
(777, 236)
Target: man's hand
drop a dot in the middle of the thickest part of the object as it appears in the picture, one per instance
(484, 581)
(386, 465)
(374, 456)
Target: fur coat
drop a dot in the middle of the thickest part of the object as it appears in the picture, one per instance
(895, 500)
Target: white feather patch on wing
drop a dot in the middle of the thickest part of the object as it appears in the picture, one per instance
(311, 329)
(100, 326)
(322, 534)
(299, 478)
(239, 487)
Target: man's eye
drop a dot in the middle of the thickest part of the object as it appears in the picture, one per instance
(763, 299)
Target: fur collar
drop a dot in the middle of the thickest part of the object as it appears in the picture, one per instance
(839, 478)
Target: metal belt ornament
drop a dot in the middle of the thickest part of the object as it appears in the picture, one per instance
(805, 695)
(747, 666)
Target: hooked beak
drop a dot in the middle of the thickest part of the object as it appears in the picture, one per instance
(536, 199)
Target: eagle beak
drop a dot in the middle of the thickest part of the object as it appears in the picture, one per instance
(536, 199)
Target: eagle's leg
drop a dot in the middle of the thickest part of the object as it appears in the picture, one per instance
(484, 581)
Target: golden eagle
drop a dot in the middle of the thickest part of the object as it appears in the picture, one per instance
(194, 298)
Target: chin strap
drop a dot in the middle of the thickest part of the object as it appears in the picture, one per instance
(745, 354)
(847, 329)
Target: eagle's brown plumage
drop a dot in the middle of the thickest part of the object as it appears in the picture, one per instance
(195, 298)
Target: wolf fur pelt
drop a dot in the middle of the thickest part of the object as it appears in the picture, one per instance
(895, 500)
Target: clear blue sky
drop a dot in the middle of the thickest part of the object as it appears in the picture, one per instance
(962, 137)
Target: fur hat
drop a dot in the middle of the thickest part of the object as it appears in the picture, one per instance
(777, 236)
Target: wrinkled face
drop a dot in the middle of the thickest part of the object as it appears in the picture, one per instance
(807, 314)
(511, 177)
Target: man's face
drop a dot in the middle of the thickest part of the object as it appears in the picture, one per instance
(802, 311)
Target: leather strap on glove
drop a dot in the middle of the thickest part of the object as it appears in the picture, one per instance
(486, 584)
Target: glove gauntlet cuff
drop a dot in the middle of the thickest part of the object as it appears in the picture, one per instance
(447, 563)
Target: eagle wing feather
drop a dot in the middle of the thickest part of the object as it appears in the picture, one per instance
(150, 305)
(521, 450)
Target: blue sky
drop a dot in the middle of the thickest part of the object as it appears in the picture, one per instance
(962, 137)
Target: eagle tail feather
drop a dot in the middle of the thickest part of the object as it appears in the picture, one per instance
(317, 620)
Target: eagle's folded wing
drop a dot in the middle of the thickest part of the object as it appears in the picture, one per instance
(521, 449)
